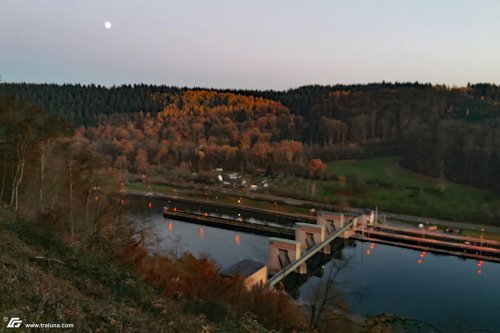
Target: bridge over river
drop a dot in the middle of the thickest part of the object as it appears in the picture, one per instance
(293, 240)
(298, 264)
(291, 247)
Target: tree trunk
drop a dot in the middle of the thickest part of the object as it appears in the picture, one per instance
(70, 175)
(2, 189)
(19, 172)
(87, 203)
(42, 174)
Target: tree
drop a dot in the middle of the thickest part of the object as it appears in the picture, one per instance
(328, 309)
(22, 124)
(316, 168)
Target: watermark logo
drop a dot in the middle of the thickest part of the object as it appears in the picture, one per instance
(14, 322)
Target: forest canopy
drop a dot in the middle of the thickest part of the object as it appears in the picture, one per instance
(447, 132)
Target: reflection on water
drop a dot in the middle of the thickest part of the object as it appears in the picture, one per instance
(454, 294)
(225, 246)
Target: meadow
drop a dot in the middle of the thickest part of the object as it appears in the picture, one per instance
(383, 183)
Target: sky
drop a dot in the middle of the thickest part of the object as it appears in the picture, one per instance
(254, 44)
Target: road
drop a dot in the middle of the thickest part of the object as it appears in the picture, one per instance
(391, 218)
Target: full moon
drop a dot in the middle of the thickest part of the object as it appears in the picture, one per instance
(107, 25)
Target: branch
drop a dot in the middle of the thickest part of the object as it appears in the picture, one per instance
(48, 259)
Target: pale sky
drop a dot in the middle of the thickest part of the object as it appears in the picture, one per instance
(257, 44)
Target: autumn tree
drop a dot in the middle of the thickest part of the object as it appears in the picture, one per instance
(316, 168)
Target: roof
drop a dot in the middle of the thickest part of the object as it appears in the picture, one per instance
(309, 225)
(282, 240)
(244, 268)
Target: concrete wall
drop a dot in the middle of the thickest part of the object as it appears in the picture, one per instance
(276, 244)
(331, 221)
(318, 232)
(257, 278)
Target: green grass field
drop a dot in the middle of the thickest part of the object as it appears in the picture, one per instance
(390, 187)
(393, 188)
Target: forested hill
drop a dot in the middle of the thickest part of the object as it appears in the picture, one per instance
(453, 133)
(84, 103)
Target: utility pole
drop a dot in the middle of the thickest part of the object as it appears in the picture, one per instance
(481, 247)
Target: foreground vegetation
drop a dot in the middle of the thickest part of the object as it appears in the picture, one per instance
(45, 280)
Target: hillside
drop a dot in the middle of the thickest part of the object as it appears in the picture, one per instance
(45, 281)
(451, 133)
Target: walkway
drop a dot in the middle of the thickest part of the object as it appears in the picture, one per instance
(315, 249)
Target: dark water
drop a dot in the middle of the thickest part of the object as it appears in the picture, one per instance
(226, 247)
(443, 290)
(446, 291)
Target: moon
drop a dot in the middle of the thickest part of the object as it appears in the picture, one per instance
(107, 25)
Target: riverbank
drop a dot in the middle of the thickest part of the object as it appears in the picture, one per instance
(301, 209)
(378, 278)
(43, 279)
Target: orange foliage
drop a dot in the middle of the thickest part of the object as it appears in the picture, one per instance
(316, 167)
(202, 129)
(199, 279)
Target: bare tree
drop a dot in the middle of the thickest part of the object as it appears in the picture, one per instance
(326, 300)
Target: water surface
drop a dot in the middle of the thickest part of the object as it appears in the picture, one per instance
(452, 293)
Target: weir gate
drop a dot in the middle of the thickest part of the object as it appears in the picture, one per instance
(286, 256)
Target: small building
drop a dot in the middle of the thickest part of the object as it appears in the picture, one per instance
(234, 176)
(253, 272)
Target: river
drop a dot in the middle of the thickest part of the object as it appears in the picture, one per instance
(452, 293)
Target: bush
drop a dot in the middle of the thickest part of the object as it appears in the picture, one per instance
(357, 182)
(215, 311)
